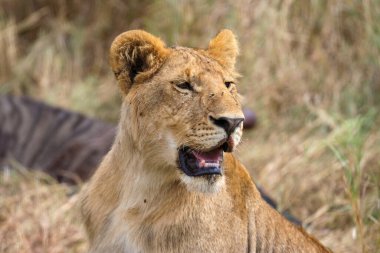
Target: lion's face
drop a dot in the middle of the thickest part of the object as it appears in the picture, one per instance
(186, 99)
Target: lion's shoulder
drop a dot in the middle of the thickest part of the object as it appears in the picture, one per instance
(239, 184)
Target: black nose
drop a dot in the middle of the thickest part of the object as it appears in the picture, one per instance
(228, 124)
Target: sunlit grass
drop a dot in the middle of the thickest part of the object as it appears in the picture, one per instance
(310, 71)
(38, 215)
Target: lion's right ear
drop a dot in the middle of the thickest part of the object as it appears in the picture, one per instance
(224, 48)
(135, 56)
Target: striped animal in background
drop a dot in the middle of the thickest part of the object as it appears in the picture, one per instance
(65, 144)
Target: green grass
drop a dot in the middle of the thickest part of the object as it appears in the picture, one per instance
(348, 147)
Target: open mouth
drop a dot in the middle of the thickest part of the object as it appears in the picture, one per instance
(199, 163)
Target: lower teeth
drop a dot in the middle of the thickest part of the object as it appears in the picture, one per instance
(211, 165)
(204, 164)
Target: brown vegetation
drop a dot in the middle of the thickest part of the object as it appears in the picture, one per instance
(310, 70)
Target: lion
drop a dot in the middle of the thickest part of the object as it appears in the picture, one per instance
(170, 182)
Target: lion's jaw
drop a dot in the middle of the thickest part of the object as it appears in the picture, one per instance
(206, 157)
(181, 108)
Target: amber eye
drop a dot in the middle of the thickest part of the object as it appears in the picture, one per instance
(228, 84)
(185, 86)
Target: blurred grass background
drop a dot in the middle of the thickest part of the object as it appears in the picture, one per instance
(310, 71)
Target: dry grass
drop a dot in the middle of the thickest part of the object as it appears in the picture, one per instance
(38, 215)
(310, 70)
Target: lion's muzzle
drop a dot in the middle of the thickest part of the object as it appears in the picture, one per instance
(228, 124)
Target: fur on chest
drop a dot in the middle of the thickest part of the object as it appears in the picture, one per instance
(187, 224)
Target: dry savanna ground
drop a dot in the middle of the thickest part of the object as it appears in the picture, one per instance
(310, 70)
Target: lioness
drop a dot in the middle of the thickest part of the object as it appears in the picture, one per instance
(170, 182)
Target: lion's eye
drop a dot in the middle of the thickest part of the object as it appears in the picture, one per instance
(228, 84)
(185, 86)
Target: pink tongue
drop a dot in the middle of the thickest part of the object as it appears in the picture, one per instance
(213, 155)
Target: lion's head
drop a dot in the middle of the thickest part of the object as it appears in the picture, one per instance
(180, 104)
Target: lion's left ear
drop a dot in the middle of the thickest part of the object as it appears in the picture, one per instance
(224, 48)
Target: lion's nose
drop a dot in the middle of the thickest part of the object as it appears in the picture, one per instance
(228, 124)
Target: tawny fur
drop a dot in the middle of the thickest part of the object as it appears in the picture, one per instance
(139, 200)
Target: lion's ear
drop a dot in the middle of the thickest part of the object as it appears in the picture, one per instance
(134, 56)
(224, 48)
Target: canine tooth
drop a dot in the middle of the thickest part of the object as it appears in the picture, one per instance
(202, 163)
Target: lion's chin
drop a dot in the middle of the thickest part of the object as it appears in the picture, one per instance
(203, 184)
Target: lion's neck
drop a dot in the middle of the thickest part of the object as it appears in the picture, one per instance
(137, 157)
